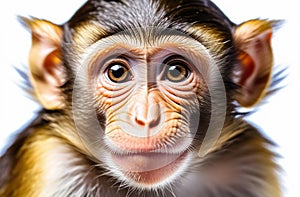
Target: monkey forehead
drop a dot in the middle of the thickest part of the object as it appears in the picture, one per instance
(146, 43)
(118, 15)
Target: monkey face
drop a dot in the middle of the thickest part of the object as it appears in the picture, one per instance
(151, 93)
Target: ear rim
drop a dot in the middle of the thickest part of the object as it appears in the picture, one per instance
(45, 65)
(248, 35)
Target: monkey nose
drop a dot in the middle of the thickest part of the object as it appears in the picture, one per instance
(147, 116)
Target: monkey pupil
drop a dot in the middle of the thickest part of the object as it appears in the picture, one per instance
(117, 71)
(175, 71)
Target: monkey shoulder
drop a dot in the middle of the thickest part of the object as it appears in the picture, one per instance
(41, 163)
(241, 165)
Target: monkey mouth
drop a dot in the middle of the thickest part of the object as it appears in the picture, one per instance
(150, 169)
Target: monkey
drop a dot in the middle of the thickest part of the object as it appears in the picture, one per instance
(142, 98)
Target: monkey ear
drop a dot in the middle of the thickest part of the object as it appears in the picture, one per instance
(46, 70)
(253, 39)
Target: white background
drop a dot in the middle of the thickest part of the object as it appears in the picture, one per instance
(278, 117)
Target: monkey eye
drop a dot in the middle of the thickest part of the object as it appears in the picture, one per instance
(176, 71)
(118, 72)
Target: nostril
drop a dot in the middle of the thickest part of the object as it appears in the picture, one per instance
(140, 122)
(154, 122)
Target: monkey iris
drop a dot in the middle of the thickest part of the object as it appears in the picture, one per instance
(176, 72)
(118, 73)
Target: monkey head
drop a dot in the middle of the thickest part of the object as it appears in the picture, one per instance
(147, 88)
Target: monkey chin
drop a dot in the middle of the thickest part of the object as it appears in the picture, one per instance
(149, 170)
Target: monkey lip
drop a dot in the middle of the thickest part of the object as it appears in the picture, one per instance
(142, 162)
(149, 168)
